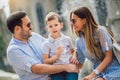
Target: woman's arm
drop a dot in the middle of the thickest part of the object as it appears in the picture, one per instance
(106, 61)
(103, 65)
(73, 59)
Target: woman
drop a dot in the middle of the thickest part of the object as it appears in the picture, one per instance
(94, 42)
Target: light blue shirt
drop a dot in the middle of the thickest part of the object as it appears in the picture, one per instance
(50, 47)
(22, 56)
(112, 71)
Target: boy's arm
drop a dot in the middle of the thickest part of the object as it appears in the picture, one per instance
(48, 60)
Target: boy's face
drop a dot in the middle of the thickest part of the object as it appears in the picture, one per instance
(54, 26)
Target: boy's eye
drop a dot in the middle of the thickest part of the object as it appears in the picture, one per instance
(50, 26)
(56, 24)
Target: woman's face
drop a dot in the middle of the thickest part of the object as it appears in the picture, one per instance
(77, 23)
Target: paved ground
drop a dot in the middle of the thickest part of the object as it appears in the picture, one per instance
(8, 76)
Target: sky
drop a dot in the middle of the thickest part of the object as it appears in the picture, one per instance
(4, 4)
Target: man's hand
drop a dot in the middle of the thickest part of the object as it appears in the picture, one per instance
(71, 68)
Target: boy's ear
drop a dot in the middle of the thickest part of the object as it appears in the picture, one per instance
(62, 24)
(46, 27)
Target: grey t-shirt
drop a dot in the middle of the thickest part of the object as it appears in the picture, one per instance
(50, 46)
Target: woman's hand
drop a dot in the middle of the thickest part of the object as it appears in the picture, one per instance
(90, 77)
(74, 60)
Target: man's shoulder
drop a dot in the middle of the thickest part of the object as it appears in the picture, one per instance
(36, 35)
(12, 47)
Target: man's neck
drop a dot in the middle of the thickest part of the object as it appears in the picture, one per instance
(21, 38)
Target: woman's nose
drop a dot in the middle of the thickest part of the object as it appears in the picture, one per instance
(72, 24)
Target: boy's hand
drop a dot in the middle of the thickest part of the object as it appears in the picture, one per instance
(59, 51)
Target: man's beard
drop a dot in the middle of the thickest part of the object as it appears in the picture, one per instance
(26, 36)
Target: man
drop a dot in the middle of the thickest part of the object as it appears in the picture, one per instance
(24, 52)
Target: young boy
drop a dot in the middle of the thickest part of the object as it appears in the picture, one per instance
(58, 48)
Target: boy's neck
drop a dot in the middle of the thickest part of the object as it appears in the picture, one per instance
(55, 36)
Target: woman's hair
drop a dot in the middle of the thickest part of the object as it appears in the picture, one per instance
(51, 16)
(89, 31)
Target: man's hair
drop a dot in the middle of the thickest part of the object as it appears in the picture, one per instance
(15, 19)
(51, 16)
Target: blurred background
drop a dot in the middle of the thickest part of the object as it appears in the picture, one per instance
(106, 13)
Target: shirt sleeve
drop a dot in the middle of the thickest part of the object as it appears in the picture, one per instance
(46, 48)
(80, 56)
(18, 59)
(105, 40)
(38, 36)
(70, 43)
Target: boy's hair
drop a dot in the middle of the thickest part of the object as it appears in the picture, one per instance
(51, 16)
(15, 19)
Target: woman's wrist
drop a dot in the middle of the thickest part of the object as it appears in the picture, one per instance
(96, 71)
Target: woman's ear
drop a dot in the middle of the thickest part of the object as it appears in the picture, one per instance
(84, 21)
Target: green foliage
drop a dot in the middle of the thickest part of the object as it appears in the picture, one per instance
(2, 46)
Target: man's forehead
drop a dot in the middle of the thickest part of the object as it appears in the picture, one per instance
(25, 19)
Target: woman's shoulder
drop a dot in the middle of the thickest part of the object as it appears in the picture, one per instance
(78, 40)
(101, 29)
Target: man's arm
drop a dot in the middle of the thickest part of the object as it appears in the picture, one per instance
(51, 69)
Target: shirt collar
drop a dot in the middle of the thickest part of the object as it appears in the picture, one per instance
(62, 36)
(19, 41)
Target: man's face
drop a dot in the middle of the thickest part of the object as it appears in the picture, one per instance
(26, 28)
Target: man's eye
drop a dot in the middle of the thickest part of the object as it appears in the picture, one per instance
(29, 24)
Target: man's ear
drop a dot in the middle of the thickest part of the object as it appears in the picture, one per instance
(17, 28)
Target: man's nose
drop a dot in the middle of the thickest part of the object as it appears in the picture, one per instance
(31, 27)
